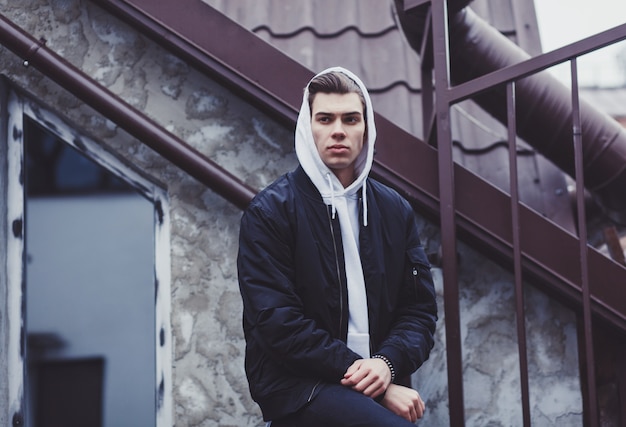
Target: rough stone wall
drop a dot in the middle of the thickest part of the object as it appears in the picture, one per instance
(491, 370)
(210, 388)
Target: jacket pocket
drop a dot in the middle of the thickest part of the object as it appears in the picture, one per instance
(418, 270)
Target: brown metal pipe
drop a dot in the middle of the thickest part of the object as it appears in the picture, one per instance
(543, 103)
(34, 53)
(544, 109)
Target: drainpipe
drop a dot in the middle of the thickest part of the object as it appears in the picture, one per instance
(543, 104)
(137, 124)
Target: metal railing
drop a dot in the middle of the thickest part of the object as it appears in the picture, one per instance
(136, 123)
(437, 68)
(433, 191)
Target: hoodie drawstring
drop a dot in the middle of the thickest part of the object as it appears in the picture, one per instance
(332, 198)
(332, 193)
(364, 203)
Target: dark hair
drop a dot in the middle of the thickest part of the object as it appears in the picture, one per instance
(334, 82)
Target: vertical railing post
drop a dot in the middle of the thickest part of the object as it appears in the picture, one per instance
(517, 252)
(590, 392)
(428, 101)
(448, 213)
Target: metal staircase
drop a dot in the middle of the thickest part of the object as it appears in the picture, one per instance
(549, 257)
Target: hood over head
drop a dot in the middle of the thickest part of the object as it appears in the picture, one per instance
(344, 203)
(321, 175)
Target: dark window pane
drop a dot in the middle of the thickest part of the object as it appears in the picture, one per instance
(55, 168)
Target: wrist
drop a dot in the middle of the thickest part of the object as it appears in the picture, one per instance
(388, 363)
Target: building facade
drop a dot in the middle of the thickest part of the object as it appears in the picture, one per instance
(183, 236)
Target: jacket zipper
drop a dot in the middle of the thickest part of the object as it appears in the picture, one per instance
(313, 391)
(332, 233)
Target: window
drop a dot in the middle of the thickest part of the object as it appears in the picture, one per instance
(87, 342)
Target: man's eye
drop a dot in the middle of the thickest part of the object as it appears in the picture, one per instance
(324, 119)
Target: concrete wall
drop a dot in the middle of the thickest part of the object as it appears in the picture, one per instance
(209, 383)
(210, 388)
(492, 393)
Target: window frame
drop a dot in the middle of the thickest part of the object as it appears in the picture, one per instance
(14, 107)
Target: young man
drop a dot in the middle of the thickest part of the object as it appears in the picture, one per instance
(339, 303)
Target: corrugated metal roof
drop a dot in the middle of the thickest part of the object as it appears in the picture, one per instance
(360, 35)
(363, 36)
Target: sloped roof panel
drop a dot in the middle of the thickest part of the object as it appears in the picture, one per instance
(363, 36)
(360, 35)
(371, 16)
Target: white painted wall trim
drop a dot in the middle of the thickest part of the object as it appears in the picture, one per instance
(15, 259)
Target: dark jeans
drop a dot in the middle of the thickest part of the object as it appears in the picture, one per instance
(339, 406)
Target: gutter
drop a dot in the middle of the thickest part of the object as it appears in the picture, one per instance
(36, 54)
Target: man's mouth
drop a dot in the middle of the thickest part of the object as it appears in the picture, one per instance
(338, 147)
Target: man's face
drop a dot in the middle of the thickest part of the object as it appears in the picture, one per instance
(338, 129)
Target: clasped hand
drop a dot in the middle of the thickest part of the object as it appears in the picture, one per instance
(373, 378)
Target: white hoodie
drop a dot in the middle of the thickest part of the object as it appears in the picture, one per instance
(344, 203)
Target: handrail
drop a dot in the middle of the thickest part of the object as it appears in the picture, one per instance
(189, 26)
(393, 164)
(537, 63)
(36, 54)
(505, 68)
(421, 185)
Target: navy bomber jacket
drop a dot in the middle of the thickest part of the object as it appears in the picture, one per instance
(293, 284)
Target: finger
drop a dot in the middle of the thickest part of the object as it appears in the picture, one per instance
(419, 413)
(355, 380)
(351, 370)
(350, 381)
(412, 415)
(373, 382)
(348, 377)
(362, 376)
(362, 383)
(421, 407)
(374, 390)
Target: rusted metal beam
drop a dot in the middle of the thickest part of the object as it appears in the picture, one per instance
(577, 133)
(395, 164)
(212, 42)
(447, 210)
(402, 160)
(520, 312)
(545, 102)
(532, 65)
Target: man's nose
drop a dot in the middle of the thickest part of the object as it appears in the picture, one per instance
(338, 130)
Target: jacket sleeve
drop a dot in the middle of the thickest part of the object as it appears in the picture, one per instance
(411, 337)
(273, 311)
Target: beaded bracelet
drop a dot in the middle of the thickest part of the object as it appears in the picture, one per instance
(384, 359)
